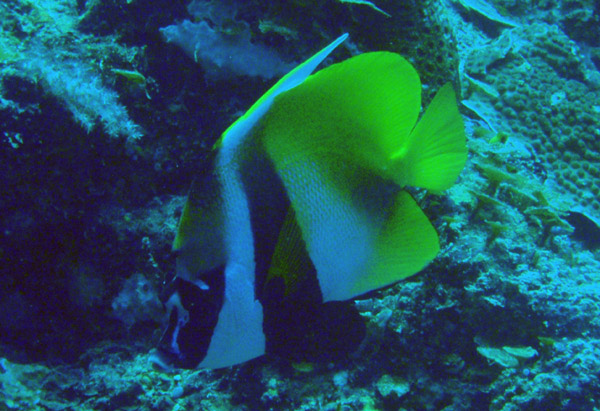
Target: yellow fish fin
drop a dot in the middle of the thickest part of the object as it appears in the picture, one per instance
(435, 151)
(406, 243)
(290, 259)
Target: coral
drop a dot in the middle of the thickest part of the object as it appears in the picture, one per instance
(48, 56)
(83, 93)
(579, 19)
(543, 97)
(487, 10)
(418, 30)
(19, 388)
(498, 356)
(138, 301)
(562, 380)
(221, 50)
(547, 221)
(388, 385)
(521, 352)
(507, 357)
(268, 26)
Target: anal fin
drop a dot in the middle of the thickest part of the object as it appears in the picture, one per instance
(405, 244)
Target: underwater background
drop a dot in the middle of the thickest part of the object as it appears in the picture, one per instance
(109, 108)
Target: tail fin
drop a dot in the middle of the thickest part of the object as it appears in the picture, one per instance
(435, 151)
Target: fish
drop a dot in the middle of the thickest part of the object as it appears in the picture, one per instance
(304, 208)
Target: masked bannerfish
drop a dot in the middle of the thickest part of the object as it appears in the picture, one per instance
(304, 207)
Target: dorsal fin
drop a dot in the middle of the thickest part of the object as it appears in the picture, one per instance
(242, 126)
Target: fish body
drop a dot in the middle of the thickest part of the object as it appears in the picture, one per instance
(305, 208)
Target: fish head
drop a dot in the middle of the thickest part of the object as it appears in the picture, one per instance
(193, 310)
